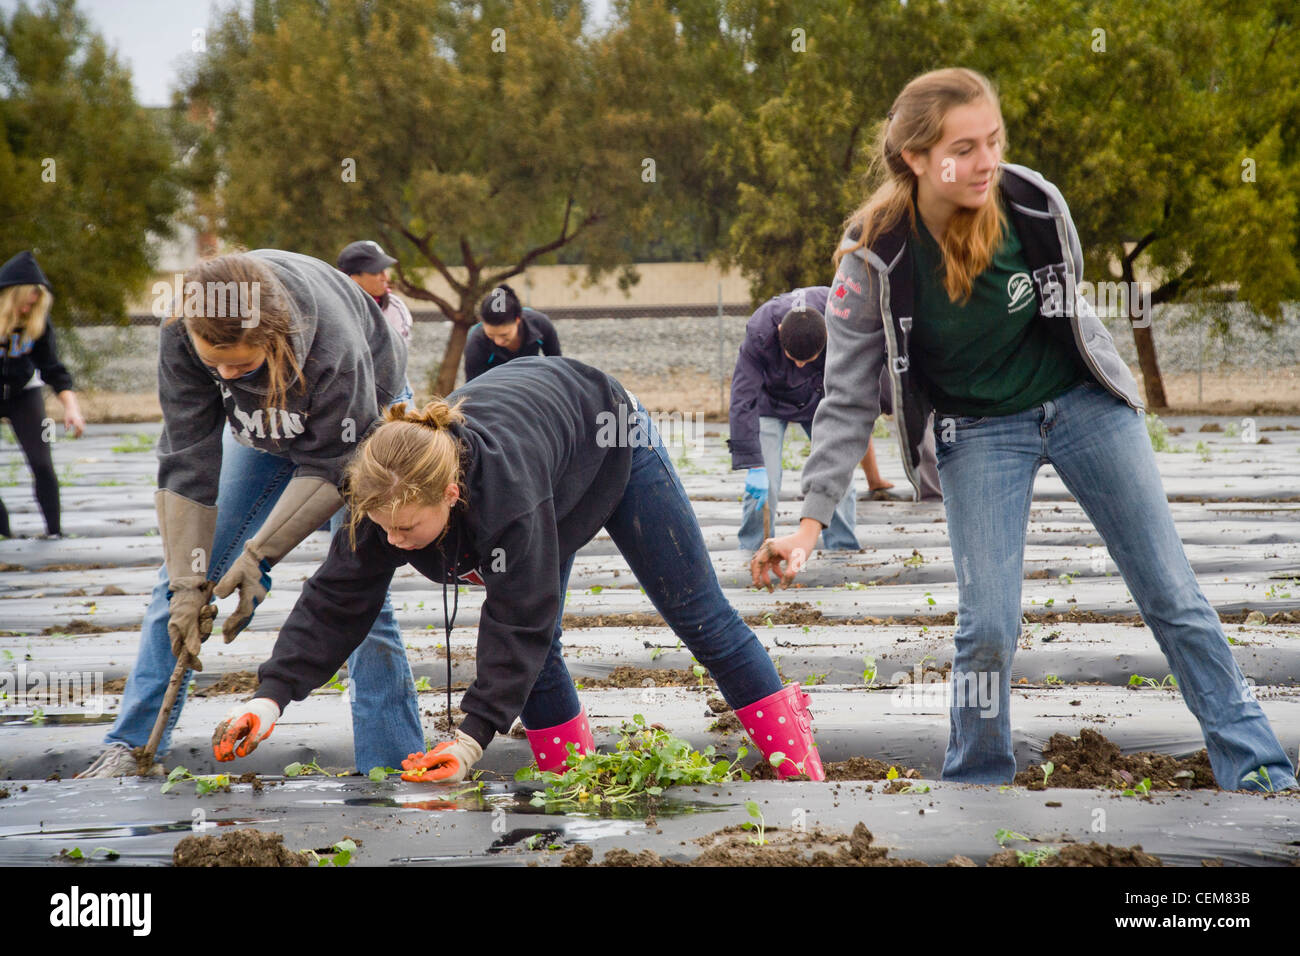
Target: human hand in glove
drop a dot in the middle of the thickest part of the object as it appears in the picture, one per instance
(252, 576)
(756, 485)
(190, 616)
(449, 762)
(244, 728)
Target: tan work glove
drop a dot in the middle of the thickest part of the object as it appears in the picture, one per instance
(305, 504)
(187, 528)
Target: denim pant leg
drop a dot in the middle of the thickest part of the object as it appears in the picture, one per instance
(1101, 451)
(659, 536)
(250, 484)
(381, 689)
(987, 472)
(771, 436)
(841, 535)
(553, 699)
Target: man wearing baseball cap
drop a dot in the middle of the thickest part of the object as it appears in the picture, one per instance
(366, 264)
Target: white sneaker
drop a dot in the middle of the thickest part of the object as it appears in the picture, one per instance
(116, 761)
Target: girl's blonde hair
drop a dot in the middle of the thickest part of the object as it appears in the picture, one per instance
(228, 285)
(915, 123)
(410, 459)
(31, 326)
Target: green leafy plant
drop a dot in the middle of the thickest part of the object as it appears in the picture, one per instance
(38, 716)
(1065, 578)
(76, 854)
(1260, 778)
(646, 761)
(202, 784)
(1203, 450)
(1137, 680)
(751, 806)
(1158, 432)
(655, 652)
(869, 671)
(915, 561)
(1035, 857)
(422, 684)
(1139, 789)
(341, 856)
(1052, 680)
(1004, 835)
(335, 683)
(297, 769)
(916, 788)
(1047, 769)
(596, 588)
(814, 679)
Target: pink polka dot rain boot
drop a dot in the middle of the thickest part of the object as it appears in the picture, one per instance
(550, 744)
(780, 723)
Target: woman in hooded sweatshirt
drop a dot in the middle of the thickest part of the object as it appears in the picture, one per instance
(26, 348)
(502, 488)
(270, 369)
(962, 273)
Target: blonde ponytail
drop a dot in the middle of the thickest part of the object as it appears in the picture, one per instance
(410, 459)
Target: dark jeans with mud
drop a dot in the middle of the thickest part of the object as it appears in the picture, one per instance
(659, 536)
(25, 409)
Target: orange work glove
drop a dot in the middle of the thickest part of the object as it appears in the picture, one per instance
(244, 728)
(449, 762)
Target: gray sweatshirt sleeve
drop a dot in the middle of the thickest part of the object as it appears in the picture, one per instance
(343, 409)
(189, 450)
(855, 354)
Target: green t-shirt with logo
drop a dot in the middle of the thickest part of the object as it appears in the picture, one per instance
(990, 356)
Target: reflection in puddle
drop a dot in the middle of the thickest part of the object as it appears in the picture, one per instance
(130, 830)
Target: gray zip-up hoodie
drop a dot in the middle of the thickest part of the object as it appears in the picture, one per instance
(869, 318)
(353, 364)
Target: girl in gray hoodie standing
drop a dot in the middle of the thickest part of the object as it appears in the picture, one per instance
(960, 274)
(271, 368)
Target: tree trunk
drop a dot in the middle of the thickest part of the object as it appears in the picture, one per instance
(445, 381)
(1145, 343)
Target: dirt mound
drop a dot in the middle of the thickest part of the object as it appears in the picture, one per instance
(625, 675)
(1083, 854)
(797, 612)
(240, 848)
(236, 682)
(785, 848)
(76, 626)
(1092, 761)
(612, 620)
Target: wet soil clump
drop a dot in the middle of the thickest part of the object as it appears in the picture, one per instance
(236, 682)
(1083, 854)
(1093, 762)
(240, 848)
(625, 675)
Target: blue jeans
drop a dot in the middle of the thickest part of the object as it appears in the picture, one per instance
(659, 536)
(1098, 445)
(840, 536)
(385, 712)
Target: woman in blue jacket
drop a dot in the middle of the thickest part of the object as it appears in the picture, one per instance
(961, 273)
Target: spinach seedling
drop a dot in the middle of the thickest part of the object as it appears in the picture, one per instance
(752, 807)
(1035, 857)
(202, 784)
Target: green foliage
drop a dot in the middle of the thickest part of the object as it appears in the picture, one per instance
(1139, 789)
(1035, 857)
(869, 670)
(202, 784)
(1260, 778)
(422, 684)
(84, 170)
(1158, 432)
(1003, 836)
(341, 855)
(646, 761)
(297, 769)
(751, 807)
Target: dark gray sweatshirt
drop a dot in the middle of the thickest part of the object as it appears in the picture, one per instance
(353, 364)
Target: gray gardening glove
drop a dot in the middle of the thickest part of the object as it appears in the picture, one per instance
(187, 528)
(305, 504)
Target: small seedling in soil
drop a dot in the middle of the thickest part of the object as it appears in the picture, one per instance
(1035, 857)
(342, 853)
(892, 774)
(915, 561)
(1052, 680)
(422, 684)
(1137, 680)
(1140, 789)
(646, 761)
(916, 788)
(76, 854)
(1047, 769)
(37, 717)
(869, 672)
(335, 683)
(1260, 778)
(301, 769)
(1003, 835)
(815, 679)
(136, 442)
(379, 774)
(202, 784)
(699, 671)
(751, 807)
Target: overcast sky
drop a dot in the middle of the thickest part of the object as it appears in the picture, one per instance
(154, 36)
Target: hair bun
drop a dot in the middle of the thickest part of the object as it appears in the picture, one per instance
(436, 414)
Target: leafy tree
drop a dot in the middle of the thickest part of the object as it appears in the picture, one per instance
(472, 139)
(84, 170)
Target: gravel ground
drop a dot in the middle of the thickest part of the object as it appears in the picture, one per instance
(126, 357)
